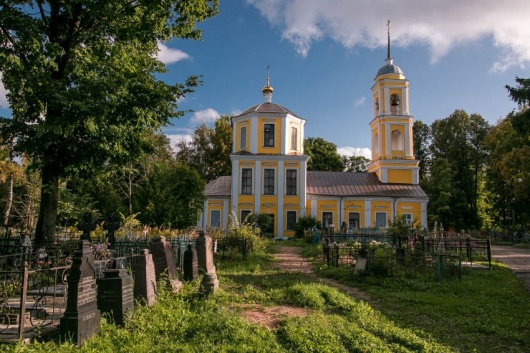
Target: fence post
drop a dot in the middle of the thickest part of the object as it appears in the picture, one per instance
(336, 256)
(22, 317)
(488, 249)
(468, 249)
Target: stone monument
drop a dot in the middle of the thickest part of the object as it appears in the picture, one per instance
(87, 226)
(191, 264)
(111, 226)
(115, 295)
(204, 247)
(145, 278)
(81, 317)
(165, 262)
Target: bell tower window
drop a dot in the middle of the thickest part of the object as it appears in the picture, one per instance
(394, 104)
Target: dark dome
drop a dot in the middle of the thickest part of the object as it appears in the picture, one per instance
(389, 69)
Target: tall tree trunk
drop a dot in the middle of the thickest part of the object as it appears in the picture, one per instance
(45, 230)
(9, 201)
(10, 182)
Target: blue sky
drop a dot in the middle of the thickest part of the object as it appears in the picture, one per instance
(324, 55)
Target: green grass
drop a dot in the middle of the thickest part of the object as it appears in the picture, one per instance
(486, 311)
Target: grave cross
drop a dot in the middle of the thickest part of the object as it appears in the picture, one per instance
(87, 226)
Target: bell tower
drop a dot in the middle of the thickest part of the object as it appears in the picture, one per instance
(391, 128)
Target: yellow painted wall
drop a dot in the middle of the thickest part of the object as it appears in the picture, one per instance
(329, 206)
(277, 135)
(215, 205)
(354, 206)
(413, 208)
(401, 176)
(240, 124)
(381, 206)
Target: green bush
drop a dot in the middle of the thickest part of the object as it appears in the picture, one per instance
(304, 223)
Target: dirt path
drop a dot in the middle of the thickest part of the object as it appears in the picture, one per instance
(517, 259)
(289, 258)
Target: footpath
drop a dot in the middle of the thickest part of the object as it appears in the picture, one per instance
(518, 259)
(290, 258)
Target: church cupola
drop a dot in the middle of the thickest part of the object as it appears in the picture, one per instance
(267, 89)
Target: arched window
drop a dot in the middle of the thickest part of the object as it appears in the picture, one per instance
(377, 106)
(394, 104)
(397, 140)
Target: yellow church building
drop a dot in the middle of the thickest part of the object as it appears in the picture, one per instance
(270, 176)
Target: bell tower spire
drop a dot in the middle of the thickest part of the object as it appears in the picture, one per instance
(389, 60)
(391, 128)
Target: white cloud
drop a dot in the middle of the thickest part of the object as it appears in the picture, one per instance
(169, 55)
(442, 25)
(355, 151)
(359, 101)
(176, 138)
(204, 116)
(3, 93)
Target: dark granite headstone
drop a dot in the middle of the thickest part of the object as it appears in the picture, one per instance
(81, 317)
(165, 262)
(145, 278)
(115, 295)
(191, 264)
(87, 226)
(204, 248)
(111, 226)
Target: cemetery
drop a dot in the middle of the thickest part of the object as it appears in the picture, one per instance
(65, 288)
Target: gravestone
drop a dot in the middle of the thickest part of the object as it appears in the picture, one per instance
(115, 295)
(360, 262)
(191, 264)
(87, 226)
(111, 226)
(145, 278)
(165, 262)
(204, 248)
(81, 317)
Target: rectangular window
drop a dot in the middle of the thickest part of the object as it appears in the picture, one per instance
(291, 219)
(244, 215)
(243, 141)
(268, 182)
(268, 135)
(294, 138)
(408, 218)
(380, 219)
(354, 220)
(246, 181)
(291, 182)
(327, 219)
(215, 219)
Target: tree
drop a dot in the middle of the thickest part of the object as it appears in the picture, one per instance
(459, 139)
(208, 152)
(421, 133)
(521, 96)
(82, 82)
(173, 195)
(323, 155)
(355, 163)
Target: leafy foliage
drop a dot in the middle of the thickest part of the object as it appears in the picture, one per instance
(83, 85)
(305, 223)
(208, 152)
(323, 155)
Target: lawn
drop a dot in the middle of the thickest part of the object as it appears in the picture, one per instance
(486, 311)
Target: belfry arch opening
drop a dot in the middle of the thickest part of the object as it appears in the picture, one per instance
(394, 104)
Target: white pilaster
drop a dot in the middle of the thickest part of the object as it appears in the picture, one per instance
(257, 189)
(367, 213)
(387, 101)
(235, 186)
(253, 133)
